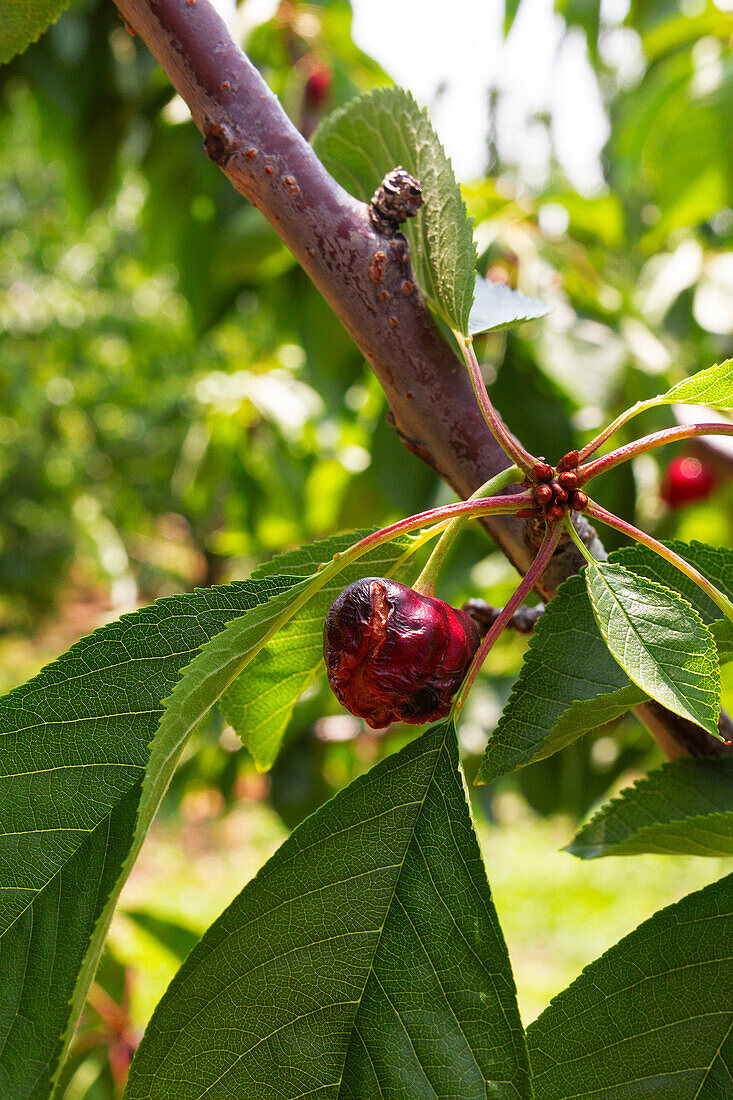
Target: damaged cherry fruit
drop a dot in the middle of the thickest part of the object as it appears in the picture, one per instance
(393, 655)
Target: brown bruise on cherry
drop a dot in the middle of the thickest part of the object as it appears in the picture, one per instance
(554, 490)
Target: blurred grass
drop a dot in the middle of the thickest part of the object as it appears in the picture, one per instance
(557, 912)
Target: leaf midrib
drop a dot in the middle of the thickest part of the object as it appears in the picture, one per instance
(371, 971)
(687, 703)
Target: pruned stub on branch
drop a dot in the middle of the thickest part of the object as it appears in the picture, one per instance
(398, 197)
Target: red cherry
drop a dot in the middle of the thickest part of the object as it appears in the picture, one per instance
(685, 480)
(318, 84)
(393, 655)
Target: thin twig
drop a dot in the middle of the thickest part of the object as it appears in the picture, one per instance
(544, 554)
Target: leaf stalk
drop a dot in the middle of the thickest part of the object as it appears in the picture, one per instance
(719, 598)
(506, 439)
(425, 583)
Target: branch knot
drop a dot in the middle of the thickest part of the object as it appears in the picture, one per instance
(398, 197)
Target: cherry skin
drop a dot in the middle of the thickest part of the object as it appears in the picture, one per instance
(393, 655)
(318, 84)
(685, 480)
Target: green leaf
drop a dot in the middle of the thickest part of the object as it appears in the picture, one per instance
(260, 702)
(713, 387)
(685, 807)
(569, 683)
(75, 748)
(511, 7)
(365, 960)
(659, 640)
(496, 306)
(24, 21)
(369, 137)
(175, 937)
(653, 1017)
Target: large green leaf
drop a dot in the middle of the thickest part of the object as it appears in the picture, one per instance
(23, 21)
(376, 132)
(569, 682)
(659, 640)
(75, 743)
(365, 960)
(684, 807)
(653, 1017)
(259, 703)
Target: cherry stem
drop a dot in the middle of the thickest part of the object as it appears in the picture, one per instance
(506, 439)
(597, 441)
(486, 506)
(327, 570)
(647, 443)
(535, 571)
(595, 511)
(425, 583)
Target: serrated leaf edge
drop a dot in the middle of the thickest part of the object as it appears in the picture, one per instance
(693, 612)
(623, 797)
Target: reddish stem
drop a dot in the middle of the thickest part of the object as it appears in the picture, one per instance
(537, 568)
(485, 506)
(606, 433)
(506, 439)
(647, 443)
(611, 520)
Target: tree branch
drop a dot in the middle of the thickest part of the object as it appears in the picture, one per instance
(365, 276)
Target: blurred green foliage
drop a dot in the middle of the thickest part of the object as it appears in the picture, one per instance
(175, 395)
(177, 402)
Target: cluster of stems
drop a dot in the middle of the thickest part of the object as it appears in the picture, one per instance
(552, 495)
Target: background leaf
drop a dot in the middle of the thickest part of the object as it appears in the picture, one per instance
(379, 131)
(511, 7)
(260, 702)
(497, 306)
(365, 959)
(684, 807)
(175, 937)
(569, 683)
(75, 748)
(651, 1017)
(659, 640)
(23, 22)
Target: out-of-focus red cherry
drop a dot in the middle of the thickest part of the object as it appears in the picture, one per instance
(318, 84)
(686, 479)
